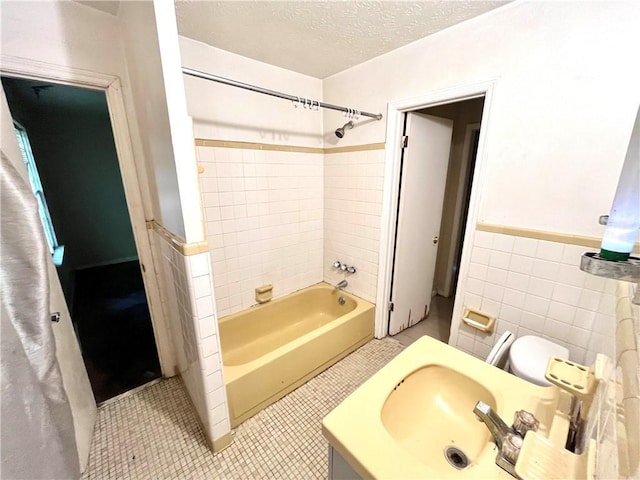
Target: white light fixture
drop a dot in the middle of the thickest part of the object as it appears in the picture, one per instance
(623, 224)
(624, 220)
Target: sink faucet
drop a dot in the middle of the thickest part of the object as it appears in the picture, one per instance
(494, 423)
(507, 441)
(341, 285)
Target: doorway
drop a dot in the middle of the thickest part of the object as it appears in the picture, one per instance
(67, 131)
(436, 172)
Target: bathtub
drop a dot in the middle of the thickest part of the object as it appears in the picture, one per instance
(271, 349)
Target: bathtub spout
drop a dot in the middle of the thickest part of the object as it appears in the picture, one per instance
(341, 285)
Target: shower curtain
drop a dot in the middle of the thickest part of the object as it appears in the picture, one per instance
(37, 440)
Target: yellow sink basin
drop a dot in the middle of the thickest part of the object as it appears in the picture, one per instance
(400, 422)
(431, 410)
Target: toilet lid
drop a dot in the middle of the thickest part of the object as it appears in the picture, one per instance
(529, 356)
(498, 354)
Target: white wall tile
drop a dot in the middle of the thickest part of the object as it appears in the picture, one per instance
(521, 264)
(551, 251)
(209, 346)
(503, 243)
(536, 287)
(535, 304)
(211, 363)
(270, 224)
(352, 209)
(207, 326)
(480, 255)
(525, 246)
(199, 264)
(499, 259)
(497, 276)
(483, 239)
(540, 287)
(566, 294)
(514, 298)
(477, 271)
(518, 281)
(204, 306)
(545, 269)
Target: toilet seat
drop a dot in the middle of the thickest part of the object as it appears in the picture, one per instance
(529, 355)
(498, 355)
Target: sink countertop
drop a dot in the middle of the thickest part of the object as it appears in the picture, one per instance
(356, 430)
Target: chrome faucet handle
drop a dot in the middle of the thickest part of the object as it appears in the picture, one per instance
(351, 269)
(343, 267)
(337, 264)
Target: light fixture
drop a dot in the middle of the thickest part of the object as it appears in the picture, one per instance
(623, 223)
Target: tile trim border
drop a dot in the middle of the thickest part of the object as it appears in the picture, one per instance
(176, 242)
(581, 240)
(208, 142)
(222, 442)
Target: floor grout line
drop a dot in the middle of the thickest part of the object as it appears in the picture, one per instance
(154, 433)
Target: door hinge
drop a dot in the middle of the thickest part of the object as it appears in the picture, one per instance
(390, 306)
(405, 141)
(55, 317)
(144, 270)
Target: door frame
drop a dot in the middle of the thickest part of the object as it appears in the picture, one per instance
(457, 225)
(139, 209)
(393, 153)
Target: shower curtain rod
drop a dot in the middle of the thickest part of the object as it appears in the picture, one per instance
(306, 102)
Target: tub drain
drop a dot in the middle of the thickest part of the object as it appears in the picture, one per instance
(456, 457)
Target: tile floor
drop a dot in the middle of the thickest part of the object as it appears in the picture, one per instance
(436, 325)
(154, 433)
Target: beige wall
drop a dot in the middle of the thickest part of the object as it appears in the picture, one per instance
(549, 61)
(222, 112)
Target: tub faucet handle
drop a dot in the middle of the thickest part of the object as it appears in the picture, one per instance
(337, 264)
(351, 269)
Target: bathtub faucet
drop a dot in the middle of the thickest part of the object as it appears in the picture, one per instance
(341, 285)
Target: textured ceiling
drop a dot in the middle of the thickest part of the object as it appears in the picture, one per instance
(319, 38)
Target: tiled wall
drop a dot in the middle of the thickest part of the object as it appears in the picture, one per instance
(263, 214)
(352, 209)
(189, 305)
(614, 418)
(536, 287)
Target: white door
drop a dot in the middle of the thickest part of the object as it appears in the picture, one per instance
(74, 375)
(424, 173)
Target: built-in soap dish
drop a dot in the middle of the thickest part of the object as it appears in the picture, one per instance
(478, 320)
(264, 293)
(574, 378)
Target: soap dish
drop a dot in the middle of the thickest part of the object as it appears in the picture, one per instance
(574, 378)
(479, 320)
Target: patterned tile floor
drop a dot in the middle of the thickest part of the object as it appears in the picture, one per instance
(154, 433)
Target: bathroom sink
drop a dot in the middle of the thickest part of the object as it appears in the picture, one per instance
(414, 418)
(431, 410)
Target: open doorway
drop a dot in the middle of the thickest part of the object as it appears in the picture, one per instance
(68, 135)
(436, 174)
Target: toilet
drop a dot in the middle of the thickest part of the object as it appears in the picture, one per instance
(528, 356)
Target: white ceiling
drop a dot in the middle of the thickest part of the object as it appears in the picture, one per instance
(319, 38)
(314, 37)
